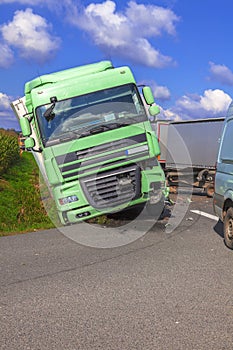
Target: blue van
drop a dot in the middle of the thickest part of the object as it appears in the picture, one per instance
(223, 196)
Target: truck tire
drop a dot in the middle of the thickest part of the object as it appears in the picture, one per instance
(155, 210)
(228, 228)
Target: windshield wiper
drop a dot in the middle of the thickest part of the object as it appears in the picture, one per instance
(87, 131)
(71, 134)
(102, 127)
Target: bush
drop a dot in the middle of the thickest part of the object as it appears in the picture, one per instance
(9, 150)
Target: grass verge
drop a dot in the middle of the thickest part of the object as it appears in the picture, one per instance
(21, 208)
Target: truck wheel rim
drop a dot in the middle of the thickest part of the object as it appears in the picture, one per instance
(230, 229)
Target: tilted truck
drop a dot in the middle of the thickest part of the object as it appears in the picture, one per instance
(189, 151)
(93, 142)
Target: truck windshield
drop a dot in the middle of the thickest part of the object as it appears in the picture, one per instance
(91, 113)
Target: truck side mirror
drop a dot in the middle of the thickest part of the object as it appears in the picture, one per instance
(149, 98)
(148, 95)
(25, 126)
(154, 110)
(29, 143)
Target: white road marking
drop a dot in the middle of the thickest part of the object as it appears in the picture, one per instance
(202, 213)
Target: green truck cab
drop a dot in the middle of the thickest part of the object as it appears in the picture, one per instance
(89, 131)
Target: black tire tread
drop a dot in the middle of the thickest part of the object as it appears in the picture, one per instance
(229, 216)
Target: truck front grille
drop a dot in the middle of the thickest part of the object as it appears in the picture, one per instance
(76, 164)
(112, 188)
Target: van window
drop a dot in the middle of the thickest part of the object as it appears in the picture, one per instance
(230, 110)
(226, 152)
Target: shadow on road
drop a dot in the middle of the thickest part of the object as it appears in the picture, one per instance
(218, 228)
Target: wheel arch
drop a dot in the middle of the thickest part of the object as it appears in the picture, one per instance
(227, 204)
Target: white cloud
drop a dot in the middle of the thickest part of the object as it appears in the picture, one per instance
(161, 93)
(8, 120)
(127, 34)
(6, 56)
(7, 117)
(4, 101)
(124, 34)
(168, 114)
(221, 73)
(30, 34)
(213, 103)
(151, 20)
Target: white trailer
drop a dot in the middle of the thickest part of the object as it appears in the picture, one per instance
(189, 151)
(20, 110)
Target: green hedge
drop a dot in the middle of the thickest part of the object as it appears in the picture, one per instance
(9, 149)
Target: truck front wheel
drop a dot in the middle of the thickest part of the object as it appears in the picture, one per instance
(155, 210)
(228, 228)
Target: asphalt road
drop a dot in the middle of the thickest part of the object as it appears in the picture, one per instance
(166, 290)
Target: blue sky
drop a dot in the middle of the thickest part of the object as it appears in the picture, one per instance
(181, 48)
